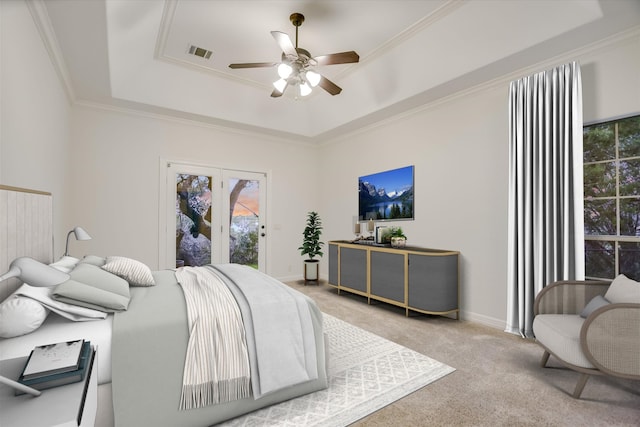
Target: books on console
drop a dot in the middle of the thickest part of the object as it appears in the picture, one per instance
(57, 376)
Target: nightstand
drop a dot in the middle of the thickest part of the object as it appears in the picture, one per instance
(70, 405)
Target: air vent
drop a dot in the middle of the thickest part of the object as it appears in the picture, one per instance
(198, 51)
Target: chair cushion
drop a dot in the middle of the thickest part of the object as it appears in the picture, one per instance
(597, 302)
(560, 333)
(622, 290)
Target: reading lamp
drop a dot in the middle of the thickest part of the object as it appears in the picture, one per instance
(33, 273)
(80, 234)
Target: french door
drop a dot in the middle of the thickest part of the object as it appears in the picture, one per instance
(244, 198)
(212, 215)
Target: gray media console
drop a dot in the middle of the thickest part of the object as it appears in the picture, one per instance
(417, 279)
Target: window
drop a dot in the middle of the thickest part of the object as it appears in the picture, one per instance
(612, 198)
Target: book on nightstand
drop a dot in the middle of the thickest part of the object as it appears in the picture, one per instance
(51, 359)
(61, 378)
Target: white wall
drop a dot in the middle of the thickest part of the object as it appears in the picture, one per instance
(34, 115)
(460, 151)
(460, 159)
(611, 79)
(116, 180)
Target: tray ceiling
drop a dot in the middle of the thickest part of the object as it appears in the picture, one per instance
(135, 54)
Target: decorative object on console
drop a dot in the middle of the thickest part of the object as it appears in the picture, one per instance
(312, 247)
(387, 196)
(371, 226)
(80, 234)
(397, 238)
(382, 234)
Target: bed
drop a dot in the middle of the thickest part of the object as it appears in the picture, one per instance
(143, 349)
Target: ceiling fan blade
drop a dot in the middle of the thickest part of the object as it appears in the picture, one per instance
(254, 65)
(337, 58)
(329, 86)
(285, 43)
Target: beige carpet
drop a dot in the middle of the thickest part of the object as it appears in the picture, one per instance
(498, 379)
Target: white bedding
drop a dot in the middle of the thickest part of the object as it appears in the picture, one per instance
(56, 329)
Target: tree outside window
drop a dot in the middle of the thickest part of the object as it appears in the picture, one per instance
(612, 198)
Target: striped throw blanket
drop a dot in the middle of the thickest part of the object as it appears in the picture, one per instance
(216, 368)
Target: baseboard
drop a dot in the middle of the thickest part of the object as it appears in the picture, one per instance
(297, 277)
(483, 320)
(293, 278)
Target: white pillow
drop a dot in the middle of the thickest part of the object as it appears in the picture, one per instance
(623, 289)
(65, 264)
(20, 316)
(134, 272)
(68, 311)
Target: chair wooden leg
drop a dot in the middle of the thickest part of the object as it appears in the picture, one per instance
(545, 359)
(580, 386)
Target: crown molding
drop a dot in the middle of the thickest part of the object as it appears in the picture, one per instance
(631, 35)
(440, 13)
(264, 134)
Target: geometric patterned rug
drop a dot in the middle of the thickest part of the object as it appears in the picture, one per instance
(366, 373)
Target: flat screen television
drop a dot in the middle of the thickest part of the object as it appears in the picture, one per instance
(386, 196)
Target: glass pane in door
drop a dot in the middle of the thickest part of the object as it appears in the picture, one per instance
(244, 221)
(193, 219)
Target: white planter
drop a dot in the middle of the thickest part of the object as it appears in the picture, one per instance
(311, 267)
(398, 242)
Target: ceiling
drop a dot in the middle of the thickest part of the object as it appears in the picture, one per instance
(134, 54)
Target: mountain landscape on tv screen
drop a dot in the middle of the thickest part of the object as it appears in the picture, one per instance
(380, 203)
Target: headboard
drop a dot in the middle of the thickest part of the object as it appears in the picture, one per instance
(26, 229)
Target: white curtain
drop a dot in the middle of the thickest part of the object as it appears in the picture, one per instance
(546, 206)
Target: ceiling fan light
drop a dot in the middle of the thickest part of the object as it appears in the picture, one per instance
(313, 78)
(284, 70)
(305, 89)
(280, 85)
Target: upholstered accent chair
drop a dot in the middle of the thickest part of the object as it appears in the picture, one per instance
(592, 327)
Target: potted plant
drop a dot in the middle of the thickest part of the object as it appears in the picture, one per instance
(312, 246)
(398, 239)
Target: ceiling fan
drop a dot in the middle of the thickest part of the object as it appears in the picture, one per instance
(297, 66)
